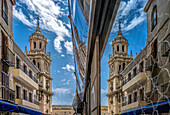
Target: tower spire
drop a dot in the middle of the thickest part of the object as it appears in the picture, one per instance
(119, 32)
(119, 25)
(38, 25)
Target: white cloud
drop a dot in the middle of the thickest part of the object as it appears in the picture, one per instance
(69, 47)
(130, 5)
(104, 91)
(73, 76)
(68, 67)
(63, 80)
(104, 101)
(58, 71)
(62, 55)
(49, 13)
(20, 16)
(61, 91)
(126, 9)
(67, 83)
(135, 22)
(56, 101)
(57, 44)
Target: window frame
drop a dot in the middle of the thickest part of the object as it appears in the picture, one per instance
(154, 18)
(5, 11)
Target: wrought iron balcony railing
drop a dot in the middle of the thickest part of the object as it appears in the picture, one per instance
(27, 98)
(132, 76)
(7, 93)
(21, 67)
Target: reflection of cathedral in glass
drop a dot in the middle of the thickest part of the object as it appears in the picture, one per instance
(80, 54)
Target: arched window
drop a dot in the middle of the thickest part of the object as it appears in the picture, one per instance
(118, 48)
(38, 64)
(123, 66)
(40, 45)
(34, 45)
(154, 17)
(123, 48)
(119, 68)
(5, 11)
(34, 62)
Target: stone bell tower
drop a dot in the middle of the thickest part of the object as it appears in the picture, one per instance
(117, 63)
(42, 60)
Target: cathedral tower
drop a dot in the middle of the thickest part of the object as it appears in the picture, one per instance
(117, 63)
(42, 60)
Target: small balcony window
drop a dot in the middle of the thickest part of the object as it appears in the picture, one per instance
(17, 63)
(30, 74)
(17, 92)
(154, 17)
(129, 76)
(134, 72)
(142, 94)
(141, 68)
(30, 97)
(129, 99)
(135, 96)
(25, 94)
(5, 11)
(25, 68)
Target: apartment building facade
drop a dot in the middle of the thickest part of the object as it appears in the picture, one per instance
(25, 80)
(18, 74)
(6, 50)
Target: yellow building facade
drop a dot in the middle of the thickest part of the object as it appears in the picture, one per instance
(25, 80)
(62, 110)
(19, 76)
(68, 110)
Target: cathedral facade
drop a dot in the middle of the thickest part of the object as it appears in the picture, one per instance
(38, 55)
(117, 62)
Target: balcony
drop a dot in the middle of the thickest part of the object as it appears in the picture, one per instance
(22, 76)
(24, 100)
(132, 104)
(134, 81)
(7, 93)
(7, 56)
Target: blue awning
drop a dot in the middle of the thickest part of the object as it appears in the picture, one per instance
(8, 107)
(161, 107)
(28, 110)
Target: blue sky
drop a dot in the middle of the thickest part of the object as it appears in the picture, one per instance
(55, 26)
